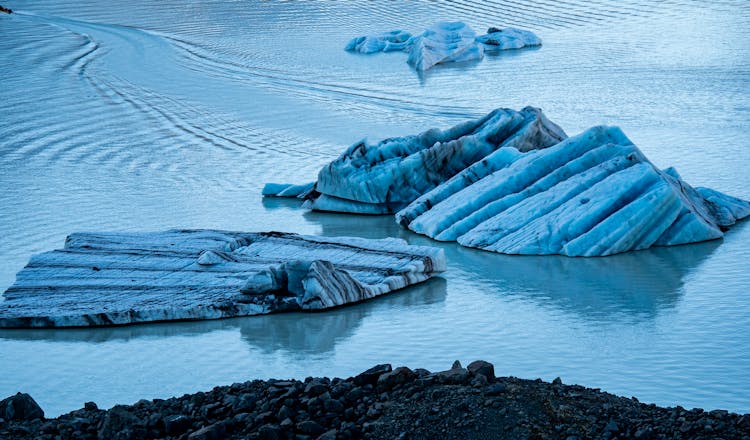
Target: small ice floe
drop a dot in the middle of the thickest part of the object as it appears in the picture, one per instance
(508, 39)
(385, 42)
(287, 189)
(124, 278)
(513, 182)
(444, 42)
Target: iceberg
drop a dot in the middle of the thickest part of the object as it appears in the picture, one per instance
(594, 194)
(512, 182)
(444, 42)
(385, 177)
(385, 42)
(508, 39)
(124, 278)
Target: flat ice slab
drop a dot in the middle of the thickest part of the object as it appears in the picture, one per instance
(444, 42)
(124, 278)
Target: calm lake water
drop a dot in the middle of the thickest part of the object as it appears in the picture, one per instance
(147, 115)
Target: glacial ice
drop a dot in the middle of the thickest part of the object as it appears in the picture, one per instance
(444, 42)
(287, 189)
(124, 278)
(387, 176)
(507, 39)
(385, 42)
(512, 182)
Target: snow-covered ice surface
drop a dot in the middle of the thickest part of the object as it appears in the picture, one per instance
(126, 278)
(151, 115)
(444, 42)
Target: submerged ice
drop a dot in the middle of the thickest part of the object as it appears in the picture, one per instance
(512, 182)
(123, 278)
(444, 42)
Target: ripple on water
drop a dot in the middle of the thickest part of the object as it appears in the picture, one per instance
(149, 115)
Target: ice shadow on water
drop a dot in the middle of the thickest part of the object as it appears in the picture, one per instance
(320, 332)
(633, 285)
(274, 203)
(297, 332)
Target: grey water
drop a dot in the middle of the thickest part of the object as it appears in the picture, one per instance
(147, 115)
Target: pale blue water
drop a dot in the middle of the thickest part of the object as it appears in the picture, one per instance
(151, 115)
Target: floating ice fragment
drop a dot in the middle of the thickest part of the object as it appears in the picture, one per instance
(507, 39)
(385, 42)
(287, 189)
(109, 279)
(444, 42)
(511, 182)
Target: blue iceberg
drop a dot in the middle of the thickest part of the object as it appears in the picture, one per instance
(444, 42)
(508, 39)
(513, 182)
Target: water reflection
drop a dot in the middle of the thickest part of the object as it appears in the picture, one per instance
(296, 332)
(317, 333)
(274, 203)
(634, 284)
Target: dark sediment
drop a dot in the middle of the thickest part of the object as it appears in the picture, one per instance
(384, 403)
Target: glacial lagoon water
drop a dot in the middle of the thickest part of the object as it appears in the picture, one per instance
(150, 115)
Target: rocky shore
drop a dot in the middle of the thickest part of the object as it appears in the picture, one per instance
(380, 403)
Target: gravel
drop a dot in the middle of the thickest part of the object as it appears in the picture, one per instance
(381, 402)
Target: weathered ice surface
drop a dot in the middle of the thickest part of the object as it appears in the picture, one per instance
(387, 176)
(287, 189)
(593, 194)
(123, 278)
(385, 42)
(511, 182)
(507, 39)
(444, 42)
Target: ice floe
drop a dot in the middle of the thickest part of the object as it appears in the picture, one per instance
(512, 182)
(508, 39)
(287, 189)
(385, 42)
(123, 278)
(444, 42)
(387, 176)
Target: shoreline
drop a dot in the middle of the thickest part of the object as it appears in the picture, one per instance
(381, 402)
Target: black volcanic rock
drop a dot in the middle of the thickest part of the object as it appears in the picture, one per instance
(384, 403)
(20, 407)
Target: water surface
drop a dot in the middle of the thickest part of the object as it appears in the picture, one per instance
(150, 115)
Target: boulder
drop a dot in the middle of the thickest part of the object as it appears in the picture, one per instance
(20, 407)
